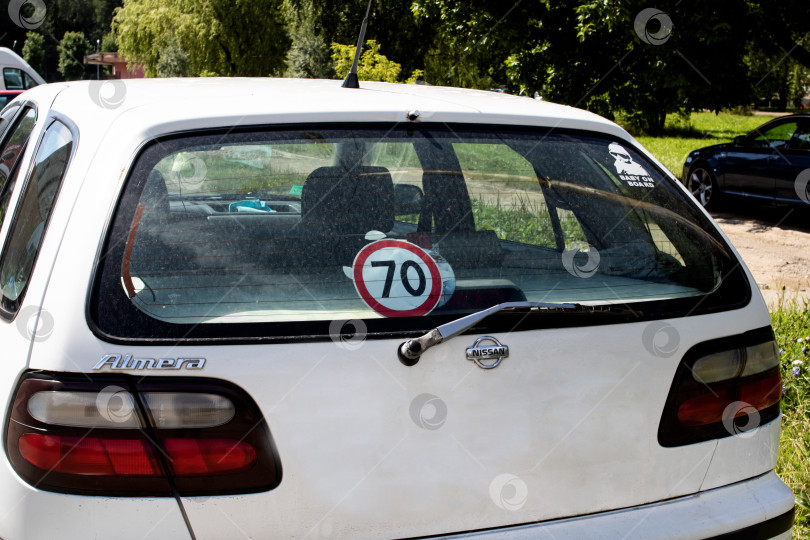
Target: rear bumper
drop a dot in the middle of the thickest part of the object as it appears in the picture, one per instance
(761, 507)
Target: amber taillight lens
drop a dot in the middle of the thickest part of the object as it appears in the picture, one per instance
(722, 388)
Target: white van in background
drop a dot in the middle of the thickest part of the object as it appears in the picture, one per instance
(17, 74)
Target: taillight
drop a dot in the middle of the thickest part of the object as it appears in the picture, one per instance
(722, 388)
(146, 436)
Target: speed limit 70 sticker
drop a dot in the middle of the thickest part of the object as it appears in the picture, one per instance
(399, 279)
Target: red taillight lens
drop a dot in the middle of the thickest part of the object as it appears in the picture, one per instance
(89, 455)
(115, 436)
(190, 457)
(722, 388)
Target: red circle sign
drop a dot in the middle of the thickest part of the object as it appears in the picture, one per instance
(397, 279)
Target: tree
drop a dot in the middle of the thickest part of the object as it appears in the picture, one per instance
(109, 43)
(403, 38)
(372, 65)
(780, 80)
(606, 56)
(173, 60)
(240, 38)
(782, 28)
(72, 50)
(33, 51)
(309, 56)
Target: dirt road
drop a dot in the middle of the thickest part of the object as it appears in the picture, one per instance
(775, 246)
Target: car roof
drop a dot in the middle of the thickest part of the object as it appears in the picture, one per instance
(165, 105)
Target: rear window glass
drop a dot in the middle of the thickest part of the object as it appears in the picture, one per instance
(397, 227)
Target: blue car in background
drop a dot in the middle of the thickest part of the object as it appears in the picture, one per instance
(769, 164)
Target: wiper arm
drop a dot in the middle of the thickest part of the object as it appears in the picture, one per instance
(410, 351)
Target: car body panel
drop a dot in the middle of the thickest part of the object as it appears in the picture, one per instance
(343, 414)
(793, 163)
(707, 514)
(749, 172)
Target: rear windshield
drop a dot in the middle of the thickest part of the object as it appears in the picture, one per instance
(278, 233)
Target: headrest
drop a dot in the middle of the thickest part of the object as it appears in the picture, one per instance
(354, 201)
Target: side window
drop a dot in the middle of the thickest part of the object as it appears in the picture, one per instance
(33, 213)
(801, 139)
(13, 79)
(29, 81)
(777, 136)
(10, 153)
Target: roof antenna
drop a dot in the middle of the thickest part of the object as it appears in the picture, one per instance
(351, 80)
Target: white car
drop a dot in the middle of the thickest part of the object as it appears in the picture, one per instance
(396, 311)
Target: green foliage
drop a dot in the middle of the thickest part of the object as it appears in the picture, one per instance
(447, 66)
(173, 60)
(599, 55)
(72, 50)
(791, 323)
(373, 66)
(780, 78)
(470, 43)
(241, 38)
(780, 29)
(309, 56)
(103, 11)
(417, 75)
(109, 43)
(402, 37)
(33, 51)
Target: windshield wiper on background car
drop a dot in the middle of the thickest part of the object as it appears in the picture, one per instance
(410, 351)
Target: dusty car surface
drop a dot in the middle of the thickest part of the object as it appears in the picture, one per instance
(394, 311)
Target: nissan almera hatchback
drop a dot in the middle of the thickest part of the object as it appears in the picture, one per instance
(386, 312)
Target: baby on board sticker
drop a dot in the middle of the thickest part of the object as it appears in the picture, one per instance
(630, 172)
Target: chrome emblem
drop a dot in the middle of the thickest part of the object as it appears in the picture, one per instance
(119, 362)
(487, 352)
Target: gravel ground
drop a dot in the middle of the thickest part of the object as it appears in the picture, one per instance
(775, 245)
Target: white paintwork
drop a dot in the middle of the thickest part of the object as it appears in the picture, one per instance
(9, 58)
(572, 413)
(703, 515)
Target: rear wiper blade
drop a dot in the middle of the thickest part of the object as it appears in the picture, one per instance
(410, 351)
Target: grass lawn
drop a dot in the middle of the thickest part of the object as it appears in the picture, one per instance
(682, 135)
(791, 322)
